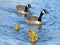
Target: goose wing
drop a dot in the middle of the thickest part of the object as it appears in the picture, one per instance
(32, 18)
(20, 7)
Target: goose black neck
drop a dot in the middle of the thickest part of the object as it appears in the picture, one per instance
(25, 15)
(26, 9)
(40, 17)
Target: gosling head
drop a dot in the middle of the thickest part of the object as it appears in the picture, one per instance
(30, 30)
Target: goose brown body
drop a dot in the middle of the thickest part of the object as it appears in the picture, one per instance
(33, 20)
(20, 9)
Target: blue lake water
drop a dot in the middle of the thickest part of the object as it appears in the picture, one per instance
(49, 34)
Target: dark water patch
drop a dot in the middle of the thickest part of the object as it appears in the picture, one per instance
(5, 43)
(43, 36)
(47, 6)
(33, 8)
(23, 37)
(6, 26)
(16, 20)
(52, 11)
(44, 39)
(10, 10)
(22, 22)
(55, 17)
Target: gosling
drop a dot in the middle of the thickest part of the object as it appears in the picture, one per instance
(33, 35)
(17, 27)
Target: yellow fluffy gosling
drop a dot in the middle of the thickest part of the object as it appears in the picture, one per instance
(33, 36)
(16, 27)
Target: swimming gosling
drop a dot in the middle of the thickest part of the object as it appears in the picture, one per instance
(23, 9)
(36, 20)
(33, 36)
(17, 27)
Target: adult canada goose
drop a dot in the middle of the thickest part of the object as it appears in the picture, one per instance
(36, 20)
(23, 9)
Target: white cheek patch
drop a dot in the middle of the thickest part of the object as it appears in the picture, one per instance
(43, 12)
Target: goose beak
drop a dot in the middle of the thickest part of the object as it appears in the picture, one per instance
(45, 11)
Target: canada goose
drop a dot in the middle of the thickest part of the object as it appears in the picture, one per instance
(35, 20)
(23, 9)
